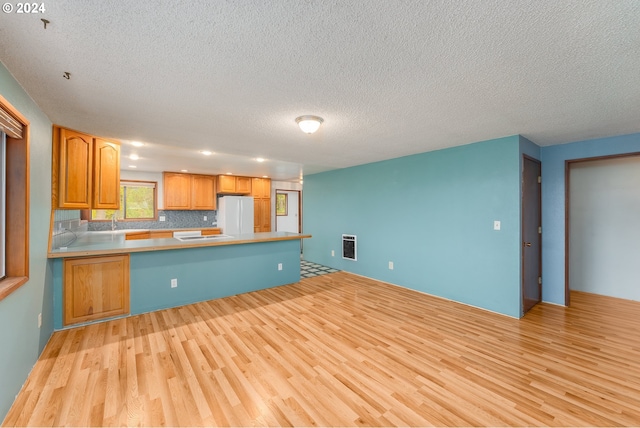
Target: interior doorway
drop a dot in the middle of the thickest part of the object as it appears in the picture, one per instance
(531, 233)
(603, 227)
(288, 217)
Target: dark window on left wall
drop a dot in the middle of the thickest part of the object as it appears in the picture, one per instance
(3, 206)
(137, 202)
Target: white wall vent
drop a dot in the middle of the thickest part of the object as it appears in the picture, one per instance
(349, 247)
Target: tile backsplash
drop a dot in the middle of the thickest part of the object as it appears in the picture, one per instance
(173, 220)
(66, 227)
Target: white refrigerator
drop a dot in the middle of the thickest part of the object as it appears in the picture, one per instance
(235, 214)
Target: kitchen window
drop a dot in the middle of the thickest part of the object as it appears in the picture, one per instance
(137, 202)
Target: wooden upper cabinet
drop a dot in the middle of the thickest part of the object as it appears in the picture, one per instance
(203, 188)
(177, 191)
(226, 184)
(261, 187)
(189, 191)
(85, 172)
(243, 185)
(106, 176)
(230, 184)
(75, 156)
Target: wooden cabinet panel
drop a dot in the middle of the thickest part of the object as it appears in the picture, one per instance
(262, 215)
(230, 184)
(95, 288)
(203, 189)
(261, 191)
(189, 191)
(85, 171)
(106, 175)
(137, 235)
(211, 231)
(75, 152)
(261, 187)
(243, 185)
(226, 184)
(177, 191)
(160, 234)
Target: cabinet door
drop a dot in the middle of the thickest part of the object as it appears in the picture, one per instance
(204, 192)
(266, 188)
(177, 191)
(106, 175)
(137, 235)
(161, 234)
(75, 151)
(243, 185)
(95, 287)
(262, 215)
(256, 187)
(226, 184)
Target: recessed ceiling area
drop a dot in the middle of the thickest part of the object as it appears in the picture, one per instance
(389, 78)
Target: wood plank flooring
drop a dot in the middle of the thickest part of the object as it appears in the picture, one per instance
(342, 350)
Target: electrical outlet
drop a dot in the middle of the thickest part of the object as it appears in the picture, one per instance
(333, 253)
(40, 320)
(162, 218)
(205, 218)
(279, 266)
(496, 225)
(390, 265)
(174, 283)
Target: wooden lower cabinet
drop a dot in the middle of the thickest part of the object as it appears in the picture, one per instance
(95, 288)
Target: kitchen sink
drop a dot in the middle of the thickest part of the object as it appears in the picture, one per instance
(199, 237)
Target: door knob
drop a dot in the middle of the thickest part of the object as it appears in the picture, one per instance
(527, 244)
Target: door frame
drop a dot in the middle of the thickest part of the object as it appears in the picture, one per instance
(299, 208)
(522, 232)
(567, 188)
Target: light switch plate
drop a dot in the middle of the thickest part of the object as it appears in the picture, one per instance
(496, 225)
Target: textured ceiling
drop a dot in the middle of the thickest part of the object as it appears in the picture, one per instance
(390, 78)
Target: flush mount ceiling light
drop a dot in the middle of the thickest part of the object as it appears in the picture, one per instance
(206, 152)
(309, 124)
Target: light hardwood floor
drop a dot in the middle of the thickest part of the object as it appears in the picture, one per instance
(342, 350)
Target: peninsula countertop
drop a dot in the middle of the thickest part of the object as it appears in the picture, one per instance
(103, 243)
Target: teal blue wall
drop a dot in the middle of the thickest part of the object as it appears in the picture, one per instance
(203, 273)
(22, 341)
(432, 215)
(553, 203)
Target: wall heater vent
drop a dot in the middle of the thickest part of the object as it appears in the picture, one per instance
(349, 247)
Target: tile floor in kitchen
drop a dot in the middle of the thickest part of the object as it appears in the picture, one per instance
(309, 269)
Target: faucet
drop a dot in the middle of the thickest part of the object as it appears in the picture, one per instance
(114, 222)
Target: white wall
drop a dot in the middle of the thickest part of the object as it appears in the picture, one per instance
(604, 227)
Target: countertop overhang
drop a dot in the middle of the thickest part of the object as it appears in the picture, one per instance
(101, 243)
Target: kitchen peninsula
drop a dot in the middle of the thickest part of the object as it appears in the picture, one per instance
(153, 274)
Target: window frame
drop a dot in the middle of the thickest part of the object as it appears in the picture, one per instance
(17, 205)
(122, 209)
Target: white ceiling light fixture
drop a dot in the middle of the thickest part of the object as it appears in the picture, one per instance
(134, 157)
(206, 152)
(309, 124)
(137, 143)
